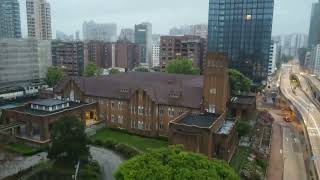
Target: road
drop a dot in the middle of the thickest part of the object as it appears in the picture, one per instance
(108, 160)
(309, 113)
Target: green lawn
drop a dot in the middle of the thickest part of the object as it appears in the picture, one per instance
(138, 142)
(20, 149)
(239, 158)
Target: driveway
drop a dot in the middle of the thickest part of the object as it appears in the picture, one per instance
(108, 160)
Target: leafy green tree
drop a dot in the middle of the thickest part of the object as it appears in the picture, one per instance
(92, 70)
(243, 128)
(238, 82)
(69, 140)
(142, 69)
(174, 163)
(114, 71)
(54, 75)
(182, 66)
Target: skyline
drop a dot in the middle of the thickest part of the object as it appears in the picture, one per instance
(75, 12)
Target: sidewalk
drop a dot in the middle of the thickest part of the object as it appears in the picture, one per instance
(275, 168)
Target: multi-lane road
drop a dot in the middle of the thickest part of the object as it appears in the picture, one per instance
(311, 117)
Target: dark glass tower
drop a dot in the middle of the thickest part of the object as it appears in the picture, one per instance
(242, 29)
(10, 26)
(314, 35)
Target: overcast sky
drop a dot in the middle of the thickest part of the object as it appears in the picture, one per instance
(290, 16)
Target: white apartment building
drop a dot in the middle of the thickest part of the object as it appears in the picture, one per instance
(99, 32)
(23, 61)
(272, 59)
(315, 60)
(156, 54)
(39, 19)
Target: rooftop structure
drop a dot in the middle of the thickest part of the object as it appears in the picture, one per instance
(204, 120)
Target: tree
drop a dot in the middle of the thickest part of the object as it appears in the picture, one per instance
(69, 140)
(238, 82)
(182, 66)
(114, 71)
(174, 163)
(92, 70)
(243, 128)
(54, 75)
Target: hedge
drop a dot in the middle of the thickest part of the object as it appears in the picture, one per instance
(123, 149)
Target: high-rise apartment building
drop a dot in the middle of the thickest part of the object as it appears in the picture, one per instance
(196, 30)
(39, 19)
(273, 59)
(314, 35)
(242, 29)
(23, 61)
(292, 43)
(64, 37)
(143, 37)
(99, 32)
(155, 50)
(189, 47)
(69, 56)
(127, 35)
(10, 26)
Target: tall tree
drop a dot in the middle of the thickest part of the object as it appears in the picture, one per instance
(54, 75)
(182, 66)
(69, 140)
(92, 70)
(238, 82)
(174, 163)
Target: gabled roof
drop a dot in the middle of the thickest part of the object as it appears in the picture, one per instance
(158, 87)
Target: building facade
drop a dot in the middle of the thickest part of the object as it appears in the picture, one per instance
(143, 37)
(39, 19)
(33, 122)
(315, 60)
(195, 30)
(10, 25)
(156, 54)
(127, 34)
(314, 36)
(23, 62)
(69, 56)
(292, 43)
(190, 47)
(272, 59)
(242, 29)
(106, 32)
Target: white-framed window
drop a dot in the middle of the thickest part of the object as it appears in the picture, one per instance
(161, 124)
(141, 110)
(120, 119)
(120, 105)
(212, 108)
(112, 105)
(161, 112)
(140, 125)
(113, 118)
(171, 112)
(213, 91)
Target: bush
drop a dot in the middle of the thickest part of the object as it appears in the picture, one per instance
(110, 144)
(126, 151)
(98, 142)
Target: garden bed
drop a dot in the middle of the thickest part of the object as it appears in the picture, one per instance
(22, 149)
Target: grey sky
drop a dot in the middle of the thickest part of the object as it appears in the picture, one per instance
(290, 16)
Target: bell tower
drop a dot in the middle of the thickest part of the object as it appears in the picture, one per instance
(216, 83)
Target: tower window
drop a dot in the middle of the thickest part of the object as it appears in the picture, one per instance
(212, 108)
(213, 91)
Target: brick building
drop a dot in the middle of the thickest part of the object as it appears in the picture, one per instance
(33, 122)
(190, 110)
(187, 46)
(122, 54)
(69, 56)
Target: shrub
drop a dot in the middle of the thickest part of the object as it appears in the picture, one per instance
(98, 142)
(126, 150)
(110, 144)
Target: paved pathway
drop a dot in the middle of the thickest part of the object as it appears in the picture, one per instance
(108, 160)
(275, 167)
(20, 163)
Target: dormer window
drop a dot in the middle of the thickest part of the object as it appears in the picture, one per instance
(124, 90)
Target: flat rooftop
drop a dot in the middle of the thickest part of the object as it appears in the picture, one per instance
(27, 109)
(245, 100)
(226, 127)
(48, 102)
(204, 120)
